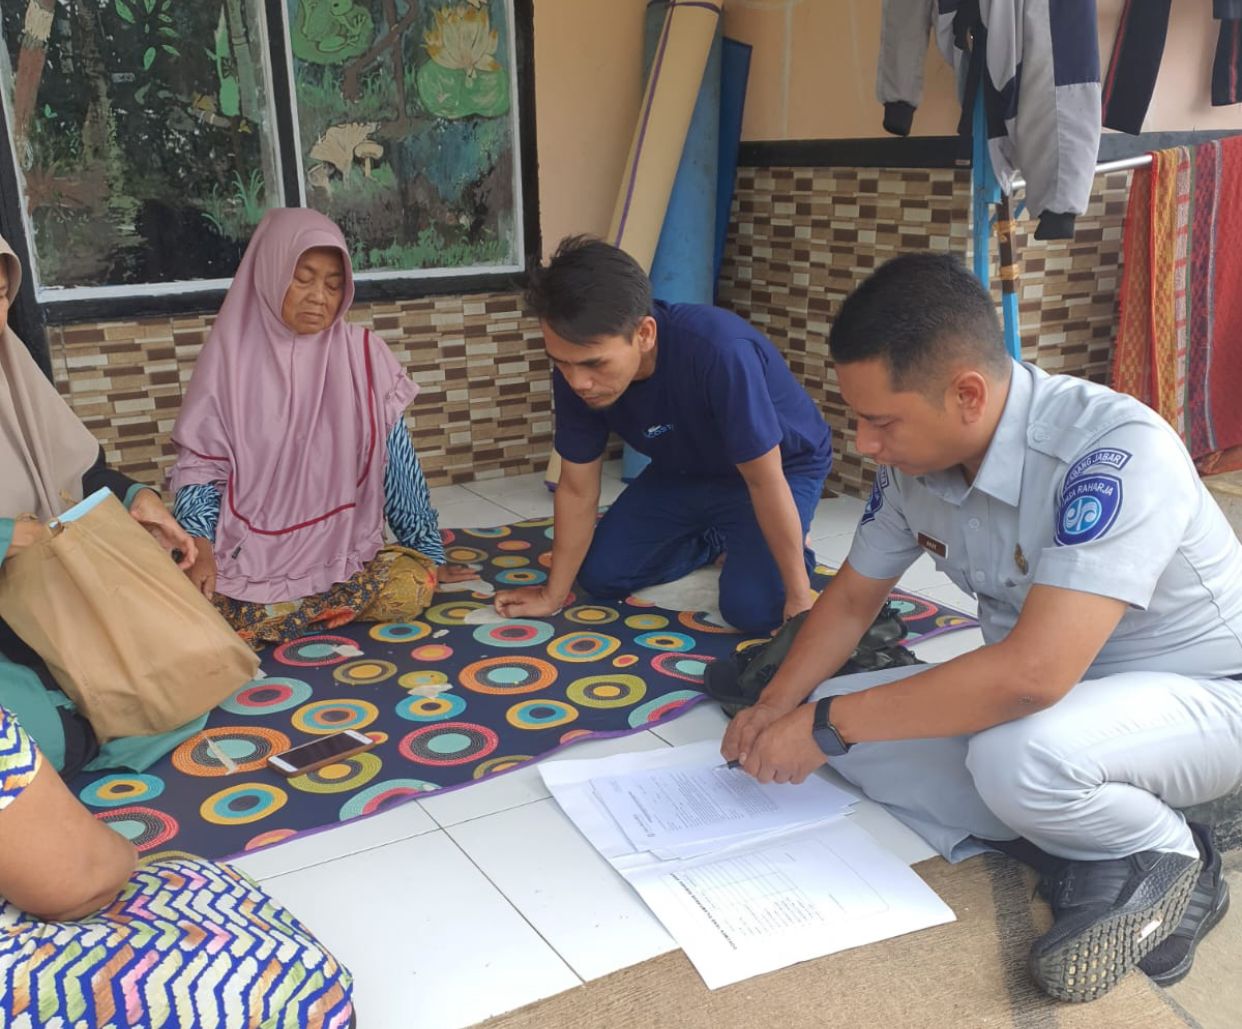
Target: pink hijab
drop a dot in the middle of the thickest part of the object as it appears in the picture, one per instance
(295, 427)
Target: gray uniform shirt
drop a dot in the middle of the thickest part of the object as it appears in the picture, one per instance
(1086, 489)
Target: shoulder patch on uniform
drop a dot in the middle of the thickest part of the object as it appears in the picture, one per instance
(876, 500)
(1088, 508)
(1112, 457)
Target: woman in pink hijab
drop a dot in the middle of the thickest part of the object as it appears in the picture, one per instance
(292, 450)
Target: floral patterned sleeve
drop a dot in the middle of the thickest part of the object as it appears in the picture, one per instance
(19, 758)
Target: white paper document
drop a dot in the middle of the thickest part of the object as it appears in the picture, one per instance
(740, 891)
(686, 805)
(811, 893)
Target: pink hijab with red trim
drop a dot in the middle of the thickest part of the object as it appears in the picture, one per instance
(293, 426)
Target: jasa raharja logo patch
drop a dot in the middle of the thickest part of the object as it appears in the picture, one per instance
(1089, 506)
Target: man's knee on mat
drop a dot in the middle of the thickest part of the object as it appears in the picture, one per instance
(750, 611)
(602, 579)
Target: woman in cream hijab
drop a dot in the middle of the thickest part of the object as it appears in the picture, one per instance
(48, 462)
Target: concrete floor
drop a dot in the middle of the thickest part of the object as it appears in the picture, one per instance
(1212, 993)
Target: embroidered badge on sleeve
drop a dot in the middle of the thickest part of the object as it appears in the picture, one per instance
(1088, 508)
(876, 500)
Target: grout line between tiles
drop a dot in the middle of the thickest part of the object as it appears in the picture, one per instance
(520, 913)
(486, 814)
(342, 857)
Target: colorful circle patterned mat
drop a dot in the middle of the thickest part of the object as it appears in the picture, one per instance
(450, 702)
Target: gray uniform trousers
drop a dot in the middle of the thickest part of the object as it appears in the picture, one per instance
(1098, 775)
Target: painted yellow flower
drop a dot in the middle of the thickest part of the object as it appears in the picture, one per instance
(463, 39)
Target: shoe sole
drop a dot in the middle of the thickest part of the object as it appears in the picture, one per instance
(1182, 969)
(1088, 965)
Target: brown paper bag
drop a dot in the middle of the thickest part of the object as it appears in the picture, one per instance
(121, 628)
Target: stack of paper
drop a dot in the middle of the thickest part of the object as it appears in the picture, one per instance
(747, 878)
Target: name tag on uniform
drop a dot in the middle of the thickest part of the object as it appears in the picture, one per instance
(932, 545)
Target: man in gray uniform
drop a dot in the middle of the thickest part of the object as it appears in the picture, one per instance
(1110, 596)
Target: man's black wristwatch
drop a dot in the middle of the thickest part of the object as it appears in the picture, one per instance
(825, 733)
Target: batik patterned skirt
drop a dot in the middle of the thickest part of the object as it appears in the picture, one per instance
(396, 586)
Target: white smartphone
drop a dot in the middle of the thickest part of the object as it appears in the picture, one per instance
(324, 751)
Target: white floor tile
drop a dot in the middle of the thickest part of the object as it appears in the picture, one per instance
(430, 941)
(523, 786)
(400, 823)
(923, 575)
(526, 494)
(529, 495)
(441, 495)
(612, 469)
(610, 488)
(530, 503)
(954, 597)
(949, 646)
(704, 721)
(475, 513)
(832, 550)
(836, 516)
(561, 885)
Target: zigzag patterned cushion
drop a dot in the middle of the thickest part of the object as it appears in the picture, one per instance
(186, 942)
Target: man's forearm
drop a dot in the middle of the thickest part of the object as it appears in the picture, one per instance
(574, 528)
(781, 526)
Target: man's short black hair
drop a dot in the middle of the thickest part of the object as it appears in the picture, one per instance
(589, 289)
(920, 314)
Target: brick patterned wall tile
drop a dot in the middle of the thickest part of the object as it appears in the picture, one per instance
(484, 407)
(802, 239)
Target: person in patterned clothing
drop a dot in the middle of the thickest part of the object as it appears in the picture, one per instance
(292, 451)
(90, 938)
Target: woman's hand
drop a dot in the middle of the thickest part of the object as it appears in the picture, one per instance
(149, 511)
(455, 573)
(203, 572)
(25, 532)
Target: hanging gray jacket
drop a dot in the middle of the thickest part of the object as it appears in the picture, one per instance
(1041, 89)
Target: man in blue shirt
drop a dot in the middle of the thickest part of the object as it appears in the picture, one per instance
(738, 450)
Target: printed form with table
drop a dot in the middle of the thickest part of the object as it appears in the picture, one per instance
(747, 878)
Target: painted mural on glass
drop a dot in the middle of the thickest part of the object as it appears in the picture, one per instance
(141, 130)
(407, 126)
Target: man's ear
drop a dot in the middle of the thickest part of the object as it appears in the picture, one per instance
(968, 394)
(645, 334)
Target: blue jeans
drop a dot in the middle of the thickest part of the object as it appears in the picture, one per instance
(665, 526)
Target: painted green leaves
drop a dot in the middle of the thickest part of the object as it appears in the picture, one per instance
(463, 77)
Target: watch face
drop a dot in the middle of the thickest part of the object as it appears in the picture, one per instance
(829, 742)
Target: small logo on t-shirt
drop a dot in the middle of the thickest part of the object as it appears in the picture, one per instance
(656, 431)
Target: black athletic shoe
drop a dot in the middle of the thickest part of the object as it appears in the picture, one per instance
(1109, 916)
(1209, 901)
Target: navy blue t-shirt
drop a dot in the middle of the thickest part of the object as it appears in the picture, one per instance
(720, 395)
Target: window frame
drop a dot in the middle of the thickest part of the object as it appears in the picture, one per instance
(30, 315)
